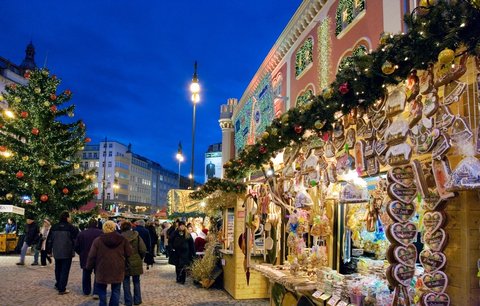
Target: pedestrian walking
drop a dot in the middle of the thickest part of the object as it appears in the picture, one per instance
(153, 237)
(32, 236)
(134, 265)
(183, 251)
(60, 243)
(108, 256)
(44, 231)
(165, 238)
(82, 247)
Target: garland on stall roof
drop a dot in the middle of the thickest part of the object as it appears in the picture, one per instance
(185, 216)
(433, 28)
(215, 184)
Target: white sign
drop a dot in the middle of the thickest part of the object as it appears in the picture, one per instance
(12, 209)
(213, 165)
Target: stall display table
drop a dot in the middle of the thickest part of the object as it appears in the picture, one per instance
(8, 242)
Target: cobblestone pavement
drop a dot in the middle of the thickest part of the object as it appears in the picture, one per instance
(33, 285)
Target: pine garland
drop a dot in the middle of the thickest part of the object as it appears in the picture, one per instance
(215, 184)
(444, 25)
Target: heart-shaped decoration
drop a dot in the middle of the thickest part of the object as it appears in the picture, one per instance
(400, 212)
(435, 282)
(433, 299)
(402, 233)
(433, 220)
(402, 193)
(436, 240)
(404, 176)
(405, 255)
(432, 201)
(403, 274)
(432, 261)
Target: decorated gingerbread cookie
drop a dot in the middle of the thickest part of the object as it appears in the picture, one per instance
(441, 147)
(397, 132)
(432, 261)
(442, 174)
(443, 118)
(399, 154)
(453, 91)
(360, 155)
(436, 282)
(424, 136)
(405, 255)
(460, 131)
(372, 166)
(436, 240)
(431, 104)
(395, 102)
(401, 193)
(434, 299)
(402, 233)
(433, 220)
(416, 111)
(426, 80)
(400, 211)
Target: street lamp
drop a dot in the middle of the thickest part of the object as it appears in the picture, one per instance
(180, 159)
(195, 90)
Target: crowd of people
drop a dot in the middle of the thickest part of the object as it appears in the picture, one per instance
(111, 253)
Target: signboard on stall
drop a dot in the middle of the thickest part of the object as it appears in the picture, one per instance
(213, 165)
(12, 209)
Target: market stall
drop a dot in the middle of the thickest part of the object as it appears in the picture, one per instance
(8, 241)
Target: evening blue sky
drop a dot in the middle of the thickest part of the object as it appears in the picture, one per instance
(129, 63)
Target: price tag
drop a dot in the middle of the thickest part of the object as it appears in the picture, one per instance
(333, 301)
(324, 297)
(342, 303)
(317, 294)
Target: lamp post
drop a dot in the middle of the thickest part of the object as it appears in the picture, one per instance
(180, 159)
(195, 90)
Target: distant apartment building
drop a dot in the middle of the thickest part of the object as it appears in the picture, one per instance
(132, 182)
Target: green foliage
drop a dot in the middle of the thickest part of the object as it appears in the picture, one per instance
(451, 25)
(215, 184)
(177, 215)
(44, 147)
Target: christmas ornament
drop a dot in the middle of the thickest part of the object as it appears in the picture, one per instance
(45, 72)
(3, 148)
(70, 114)
(427, 3)
(38, 90)
(53, 182)
(327, 93)
(325, 136)
(17, 100)
(24, 114)
(53, 108)
(285, 118)
(54, 77)
(88, 139)
(475, 3)
(262, 150)
(9, 196)
(35, 131)
(298, 128)
(65, 190)
(274, 131)
(53, 97)
(27, 75)
(76, 166)
(384, 38)
(67, 92)
(343, 89)
(265, 135)
(388, 68)
(81, 124)
(446, 56)
(41, 162)
(1, 98)
(319, 124)
(95, 191)
(81, 148)
(44, 198)
(19, 174)
(25, 158)
(46, 104)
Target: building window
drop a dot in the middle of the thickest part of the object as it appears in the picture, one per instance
(347, 11)
(110, 145)
(97, 164)
(304, 98)
(104, 153)
(110, 164)
(84, 155)
(304, 57)
(90, 155)
(108, 196)
(95, 155)
(348, 60)
(109, 153)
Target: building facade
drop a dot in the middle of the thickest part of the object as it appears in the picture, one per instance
(127, 181)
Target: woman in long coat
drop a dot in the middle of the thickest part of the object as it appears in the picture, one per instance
(184, 251)
(134, 266)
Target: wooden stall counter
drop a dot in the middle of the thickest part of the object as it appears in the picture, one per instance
(8, 242)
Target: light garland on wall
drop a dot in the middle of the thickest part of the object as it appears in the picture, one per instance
(324, 51)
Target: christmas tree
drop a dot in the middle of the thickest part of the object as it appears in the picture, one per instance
(40, 162)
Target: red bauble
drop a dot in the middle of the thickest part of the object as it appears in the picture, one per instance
(325, 136)
(27, 75)
(65, 190)
(3, 148)
(262, 150)
(53, 108)
(44, 198)
(19, 174)
(88, 139)
(343, 89)
(35, 131)
(67, 92)
(53, 97)
(95, 191)
(24, 114)
(298, 128)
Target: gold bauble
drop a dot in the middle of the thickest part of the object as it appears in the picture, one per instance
(25, 158)
(1, 98)
(427, 3)
(475, 3)
(76, 166)
(38, 90)
(46, 103)
(265, 135)
(388, 68)
(319, 124)
(53, 182)
(274, 131)
(285, 118)
(9, 196)
(17, 100)
(446, 56)
(327, 93)
(41, 162)
(81, 148)
(384, 38)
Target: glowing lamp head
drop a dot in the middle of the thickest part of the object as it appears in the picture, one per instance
(194, 87)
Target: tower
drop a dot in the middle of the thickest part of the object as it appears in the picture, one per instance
(226, 124)
(28, 62)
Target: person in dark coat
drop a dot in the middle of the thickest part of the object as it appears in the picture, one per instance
(144, 233)
(32, 236)
(82, 247)
(183, 251)
(153, 237)
(135, 265)
(61, 241)
(11, 226)
(108, 256)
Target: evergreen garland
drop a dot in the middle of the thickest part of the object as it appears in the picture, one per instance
(432, 29)
(215, 184)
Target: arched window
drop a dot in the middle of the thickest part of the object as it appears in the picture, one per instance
(348, 60)
(304, 98)
(347, 10)
(304, 57)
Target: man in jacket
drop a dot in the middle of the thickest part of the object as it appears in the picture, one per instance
(144, 233)
(32, 236)
(61, 241)
(108, 256)
(82, 247)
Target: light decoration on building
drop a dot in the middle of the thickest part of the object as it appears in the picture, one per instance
(304, 57)
(324, 52)
(347, 10)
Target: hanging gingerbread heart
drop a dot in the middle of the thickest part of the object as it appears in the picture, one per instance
(433, 220)
(436, 282)
(405, 255)
(403, 175)
(432, 261)
(434, 299)
(436, 240)
(404, 234)
(400, 212)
